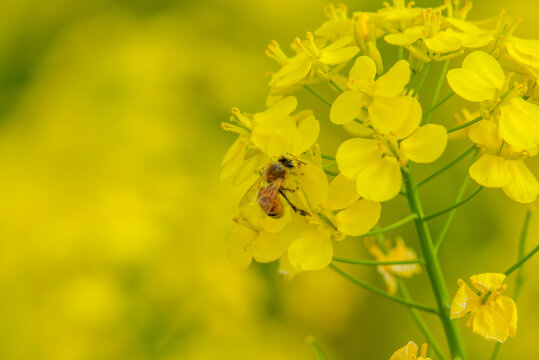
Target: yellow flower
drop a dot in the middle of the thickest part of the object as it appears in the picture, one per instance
(398, 253)
(409, 352)
(501, 165)
(270, 133)
(481, 79)
(525, 53)
(313, 62)
(398, 17)
(374, 163)
(492, 315)
(387, 108)
(339, 24)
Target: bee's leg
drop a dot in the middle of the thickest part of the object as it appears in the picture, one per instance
(294, 207)
(290, 189)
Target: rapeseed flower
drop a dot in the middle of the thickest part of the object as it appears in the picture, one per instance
(525, 53)
(409, 352)
(382, 98)
(501, 165)
(492, 315)
(397, 253)
(481, 79)
(270, 133)
(375, 163)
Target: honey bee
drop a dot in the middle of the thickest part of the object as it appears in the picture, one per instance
(266, 190)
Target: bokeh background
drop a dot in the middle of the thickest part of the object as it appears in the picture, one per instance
(113, 221)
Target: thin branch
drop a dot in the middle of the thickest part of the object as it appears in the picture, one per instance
(465, 125)
(454, 206)
(318, 95)
(378, 263)
(383, 293)
(328, 157)
(316, 348)
(521, 261)
(447, 166)
(335, 86)
(395, 225)
(426, 113)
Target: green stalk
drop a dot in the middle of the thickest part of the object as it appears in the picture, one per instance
(316, 348)
(520, 276)
(383, 293)
(447, 166)
(318, 95)
(395, 225)
(434, 270)
(427, 113)
(335, 86)
(438, 87)
(462, 126)
(424, 74)
(454, 206)
(378, 263)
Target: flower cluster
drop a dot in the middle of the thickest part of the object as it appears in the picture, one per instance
(298, 207)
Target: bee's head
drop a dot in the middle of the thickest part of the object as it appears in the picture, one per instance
(275, 171)
(286, 162)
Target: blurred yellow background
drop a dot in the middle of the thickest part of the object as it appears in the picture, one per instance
(113, 221)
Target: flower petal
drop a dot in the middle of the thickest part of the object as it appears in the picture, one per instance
(313, 183)
(507, 308)
(359, 218)
(491, 171)
(465, 301)
(486, 67)
(490, 324)
(239, 246)
(389, 114)
(346, 107)
(485, 132)
(407, 352)
(468, 85)
(425, 145)
(364, 70)
(355, 154)
(313, 250)
(523, 186)
(307, 134)
(380, 180)
(342, 193)
(519, 125)
(412, 121)
(443, 42)
(267, 247)
(393, 82)
(402, 39)
(338, 56)
(487, 282)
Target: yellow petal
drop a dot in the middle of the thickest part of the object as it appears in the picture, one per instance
(313, 183)
(413, 119)
(346, 107)
(233, 159)
(388, 114)
(393, 82)
(519, 125)
(402, 252)
(338, 56)
(486, 67)
(293, 72)
(402, 39)
(380, 180)
(523, 186)
(342, 193)
(307, 134)
(507, 308)
(491, 171)
(443, 42)
(313, 250)
(239, 246)
(465, 301)
(407, 352)
(468, 85)
(267, 247)
(280, 109)
(364, 70)
(359, 218)
(490, 324)
(487, 282)
(425, 145)
(355, 154)
(485, 132)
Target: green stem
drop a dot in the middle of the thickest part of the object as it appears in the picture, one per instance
(335, 86)
(316, 348)
(427, 113)
(454, 206)
(420, 321)
(438, 87)
(331, 164)
(401, 53)
(424, 74)
(462, 126)
(521, 261)
(378, 263)
(447, 166)
(395, 225)
(383, 293)
(328, 157)
(520, 276)
(433, 269)
(460, 194)
(318, 95)
(331, 173)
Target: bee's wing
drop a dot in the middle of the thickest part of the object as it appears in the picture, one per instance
(272, 192)
(252, 192)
